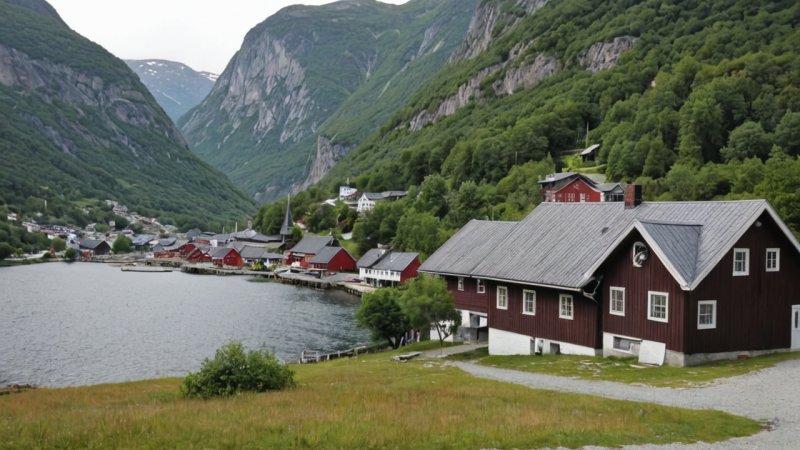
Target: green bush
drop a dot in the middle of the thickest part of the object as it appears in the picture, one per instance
(233, 371)
(70, 254)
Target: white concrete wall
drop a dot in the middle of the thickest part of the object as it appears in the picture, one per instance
(508, 343)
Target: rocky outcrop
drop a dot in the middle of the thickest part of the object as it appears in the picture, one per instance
(488, 16)
(604, 55)
(527, 76)
(328, 154)
(119, 102)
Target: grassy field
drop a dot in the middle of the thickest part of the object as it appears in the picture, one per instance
(367, 402)
(626, 370)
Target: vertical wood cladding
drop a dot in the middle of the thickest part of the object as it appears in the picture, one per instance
(619, 271)
(468, 299)
(572, 192)
(753, 311)
(583, 329)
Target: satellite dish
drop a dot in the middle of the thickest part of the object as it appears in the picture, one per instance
(640, 254)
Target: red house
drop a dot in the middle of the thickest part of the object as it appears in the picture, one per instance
(225, 256)
(306, 249)
(573, 187)
(333, 259)
(675, 282)
(199, 255)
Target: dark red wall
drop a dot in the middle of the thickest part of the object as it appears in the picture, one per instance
(637, 281)
(583, 329)
(410, 271)
(468, 299)
(576, 187)
(233, 258)
(342, 262)
(753, 311)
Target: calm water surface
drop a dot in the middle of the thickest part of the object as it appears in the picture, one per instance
(82, 323)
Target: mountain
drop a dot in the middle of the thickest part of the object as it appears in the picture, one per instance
(78, 126)
(690, 100)
(175, 86)
(310, 82)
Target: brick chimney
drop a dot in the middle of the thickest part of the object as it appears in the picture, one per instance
(633, 196)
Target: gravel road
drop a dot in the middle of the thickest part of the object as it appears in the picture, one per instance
(771, 395)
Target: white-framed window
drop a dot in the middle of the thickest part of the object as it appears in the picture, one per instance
(502, 297)
(460, 283)
(480, 288)
(657, 306)
(565, 306)
(617, 301)
(741, 261)
(529, 302)
(773, 259)
(706, 314)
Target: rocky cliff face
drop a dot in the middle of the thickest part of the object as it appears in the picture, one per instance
(328, 154)
(604, 55)
(309, 72)
(489, 20)
(50, 82)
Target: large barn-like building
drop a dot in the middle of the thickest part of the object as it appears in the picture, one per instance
(681, 282)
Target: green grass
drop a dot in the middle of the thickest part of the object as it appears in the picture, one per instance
(625, 370)
(365, 402)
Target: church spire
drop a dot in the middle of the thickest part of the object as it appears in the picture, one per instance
(286, 228)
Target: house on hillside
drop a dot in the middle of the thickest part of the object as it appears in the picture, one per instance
(381, 267)
(572, 187)
(306, 249)
(368, 200)
(96, 247)
(681, 282)
(333, 259)
(590, 153)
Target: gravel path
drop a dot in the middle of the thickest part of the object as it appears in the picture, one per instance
(770, 395)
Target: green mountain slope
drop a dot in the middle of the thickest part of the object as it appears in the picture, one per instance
(693, 100)
(309, 74)
(78, 125)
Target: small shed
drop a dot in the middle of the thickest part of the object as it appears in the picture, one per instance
(590, 153)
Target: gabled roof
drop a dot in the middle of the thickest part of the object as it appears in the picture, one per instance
(564, 244)
(220, 252)
(396, 261)
(142, 239)
(91, 243)
(590, 149)
(312, 244)
(467, 248)
(370, 258)
(555, 177)
(248, 252)
(327, 254)
(176, 245)
(608, 187)
(384, 195)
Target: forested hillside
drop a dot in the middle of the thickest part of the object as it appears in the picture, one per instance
(78, 127)
(693, 100)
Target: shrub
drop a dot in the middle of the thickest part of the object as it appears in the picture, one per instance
(233, 371)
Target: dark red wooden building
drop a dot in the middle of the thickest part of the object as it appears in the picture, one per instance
(333, 259)
(308, 247)
(225, 256)
(681, 282)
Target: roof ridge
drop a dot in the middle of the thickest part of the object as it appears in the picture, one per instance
(664, 222)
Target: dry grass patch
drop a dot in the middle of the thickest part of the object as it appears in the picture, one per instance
(368, 402)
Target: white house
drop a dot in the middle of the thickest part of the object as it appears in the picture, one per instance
(368, 199)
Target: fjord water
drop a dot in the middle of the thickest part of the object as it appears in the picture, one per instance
(82, 323)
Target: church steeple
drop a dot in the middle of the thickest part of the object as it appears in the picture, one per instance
(286, 228)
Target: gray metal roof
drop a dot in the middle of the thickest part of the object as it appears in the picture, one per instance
(312, 244)
(220, 252)
(677, 242)
(563, 244)
(554, 177)
(590, 149)
(90, 243)
(371, 257)
(396, 261)
(248, 252)
(467, 248)
(606, 187)
(326, 255)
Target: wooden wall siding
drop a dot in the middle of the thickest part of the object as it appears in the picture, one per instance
(573, 190)
(468, 299)
(583, 329)
(637, 281)
(410, 271)
(753, 311)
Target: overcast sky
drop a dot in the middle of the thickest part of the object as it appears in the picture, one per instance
(199, 33)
